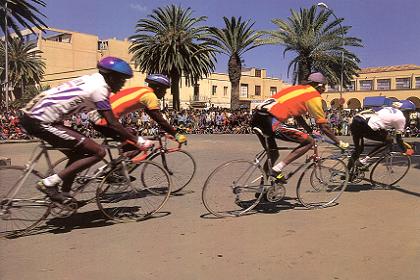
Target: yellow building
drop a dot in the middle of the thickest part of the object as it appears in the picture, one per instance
(70, 54)
(395, 82)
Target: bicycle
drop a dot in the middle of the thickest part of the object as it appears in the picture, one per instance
(179, 163)
(387, 168)
(121, 194)
(235, 187)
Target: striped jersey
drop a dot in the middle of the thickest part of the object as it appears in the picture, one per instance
(87, 92)
(295, 101)
(129, 100)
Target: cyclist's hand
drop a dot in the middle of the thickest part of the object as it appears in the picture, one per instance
(409, 152)
(343, 145)
(180, 138)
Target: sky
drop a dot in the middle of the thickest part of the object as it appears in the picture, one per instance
(389, 29)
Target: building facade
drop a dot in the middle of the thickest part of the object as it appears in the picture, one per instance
(70, 54)
(400, 82)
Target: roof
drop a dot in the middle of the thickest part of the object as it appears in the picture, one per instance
(389, 68)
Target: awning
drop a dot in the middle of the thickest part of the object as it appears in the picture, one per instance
(376, 101)
(408, 105)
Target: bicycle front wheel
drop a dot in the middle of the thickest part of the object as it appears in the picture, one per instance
(134, 197)
(180, 165)
(233, 188)
(21, 208)
(390, 169)
(322, 183)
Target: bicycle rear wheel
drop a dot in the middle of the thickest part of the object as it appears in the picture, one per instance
(22, 211)
(390, 169)
(233, 188)
(180, 165)
(322, 183)
(137, 197)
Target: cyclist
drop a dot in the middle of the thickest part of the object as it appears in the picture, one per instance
(294, 101)
(374, 126)
(43, 117)
(132, 99)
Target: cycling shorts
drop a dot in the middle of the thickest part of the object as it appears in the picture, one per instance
(56, 134)
(271, 127)
(360, 128)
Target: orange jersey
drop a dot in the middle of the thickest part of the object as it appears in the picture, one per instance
(131, 99)
(296, 101)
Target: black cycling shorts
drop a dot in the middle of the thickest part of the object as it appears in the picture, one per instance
(359, 128)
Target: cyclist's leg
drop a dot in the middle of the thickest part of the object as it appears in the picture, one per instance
(357, 128)
(379, 135)
(290, 134)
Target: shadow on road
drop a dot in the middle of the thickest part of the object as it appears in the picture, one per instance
(369, 187)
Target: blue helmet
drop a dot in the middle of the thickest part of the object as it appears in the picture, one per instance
(158, 79)
(112, 64)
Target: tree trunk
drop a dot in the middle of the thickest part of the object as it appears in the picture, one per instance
(175, 77)
(234, 69)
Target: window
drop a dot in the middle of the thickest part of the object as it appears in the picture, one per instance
(366, 85)
(225, 91)
(244, 90)
(196, 92)
(213, 90)
(383, 84)
(402, 83)
(258, 90)
(333, 87)
(417, 82)
(257, 73)
(351, 86)
(273, 90)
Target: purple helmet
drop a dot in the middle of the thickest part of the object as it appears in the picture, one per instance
(158, 79)
(317, 77)
(112, 64)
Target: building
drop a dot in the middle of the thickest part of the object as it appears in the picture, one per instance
(70, 54)
(400, 82)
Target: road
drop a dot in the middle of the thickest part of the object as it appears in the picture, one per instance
(372, 234)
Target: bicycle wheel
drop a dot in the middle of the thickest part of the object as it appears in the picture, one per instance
(137, 197)
(390, 169)
(322, 183)
(24, 210)
(233, 188)
(180, 165)
(84, 188)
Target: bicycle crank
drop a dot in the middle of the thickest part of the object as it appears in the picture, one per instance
(275, 193)
(64, 210)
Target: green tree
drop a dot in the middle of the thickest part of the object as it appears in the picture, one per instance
(26, 67)
(318, 43)
(236, 38)
(21, 13)
(171, 42)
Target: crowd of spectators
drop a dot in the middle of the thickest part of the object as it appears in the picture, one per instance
(192, 121)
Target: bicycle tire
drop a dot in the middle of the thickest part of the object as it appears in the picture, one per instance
(137, 199)
(391, 162)
(328, 178)
(25, 210)
(84, 190)
(180, 165)
(233, 201)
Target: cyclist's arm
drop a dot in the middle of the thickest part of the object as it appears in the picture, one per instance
(403, 145)
(115, 125)
(301, 122)
(157, 116)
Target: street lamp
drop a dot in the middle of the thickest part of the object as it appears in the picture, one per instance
(324, 6)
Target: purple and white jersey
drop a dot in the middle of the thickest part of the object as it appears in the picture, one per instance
(85, 92)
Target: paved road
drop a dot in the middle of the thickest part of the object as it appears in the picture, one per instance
(371, 234)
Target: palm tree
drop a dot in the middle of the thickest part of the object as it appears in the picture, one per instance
(318, 44)
(236, 38)
(171, 43)
(21, 13)
(26, 66)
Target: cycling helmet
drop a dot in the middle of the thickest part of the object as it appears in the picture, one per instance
(158, 79)
(112, 64)
(317, 77)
